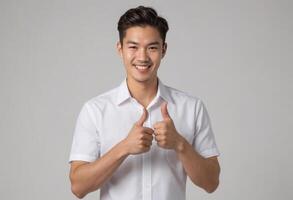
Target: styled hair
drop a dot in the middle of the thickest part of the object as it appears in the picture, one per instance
(142, 16)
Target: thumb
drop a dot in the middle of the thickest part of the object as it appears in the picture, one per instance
(164, 111)
(142, 118)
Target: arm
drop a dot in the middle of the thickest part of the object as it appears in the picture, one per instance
(87, 177)
(203, 172)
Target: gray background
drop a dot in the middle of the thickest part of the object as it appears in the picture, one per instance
(235, 55)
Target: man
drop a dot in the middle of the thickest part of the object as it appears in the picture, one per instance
(112, 145)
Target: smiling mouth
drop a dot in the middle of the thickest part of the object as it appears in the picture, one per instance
(142, 68)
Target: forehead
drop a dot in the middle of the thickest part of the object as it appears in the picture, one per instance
(142, 35)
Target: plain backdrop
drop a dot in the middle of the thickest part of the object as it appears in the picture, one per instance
(235, 55)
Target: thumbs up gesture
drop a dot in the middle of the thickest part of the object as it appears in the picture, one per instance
(165, 132)
(139, 139)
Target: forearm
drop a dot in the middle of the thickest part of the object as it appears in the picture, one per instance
(202, 172)
(90, 177)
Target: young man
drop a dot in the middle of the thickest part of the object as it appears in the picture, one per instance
(112, 144)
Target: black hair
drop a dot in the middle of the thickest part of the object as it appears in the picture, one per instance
(142, 16)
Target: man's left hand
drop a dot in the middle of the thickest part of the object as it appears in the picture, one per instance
(165, 132)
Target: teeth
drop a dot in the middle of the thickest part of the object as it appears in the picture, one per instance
(141, 67)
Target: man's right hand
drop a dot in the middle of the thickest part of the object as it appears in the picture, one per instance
(86, 177)
(139, 139)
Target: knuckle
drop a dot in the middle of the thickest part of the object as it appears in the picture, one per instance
(150, 131)
(140, 136)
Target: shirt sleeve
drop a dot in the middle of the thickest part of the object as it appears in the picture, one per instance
(86, 143)
(204, 141)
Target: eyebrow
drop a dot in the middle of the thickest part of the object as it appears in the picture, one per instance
(152, 43)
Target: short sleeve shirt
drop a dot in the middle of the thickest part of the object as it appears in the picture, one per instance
(105, 120)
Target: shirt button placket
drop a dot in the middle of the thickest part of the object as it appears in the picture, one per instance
(147, 169)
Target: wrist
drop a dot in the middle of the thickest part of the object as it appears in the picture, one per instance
(123, 150)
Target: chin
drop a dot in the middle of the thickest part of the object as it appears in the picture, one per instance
(141, 79)
(144, 79)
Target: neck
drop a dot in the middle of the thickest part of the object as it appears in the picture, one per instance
(143, 92)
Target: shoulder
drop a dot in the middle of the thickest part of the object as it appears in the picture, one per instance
(102, 100)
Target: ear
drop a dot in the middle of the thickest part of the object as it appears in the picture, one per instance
(164, 50)
(119, 48)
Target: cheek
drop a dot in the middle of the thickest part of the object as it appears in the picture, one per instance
(128, 57)
(156, 58)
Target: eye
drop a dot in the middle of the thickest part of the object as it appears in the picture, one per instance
(153, 48)
(132, 47)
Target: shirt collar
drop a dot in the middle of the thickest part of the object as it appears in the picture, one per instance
(123, 93)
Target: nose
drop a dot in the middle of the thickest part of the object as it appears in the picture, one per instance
(142, 55)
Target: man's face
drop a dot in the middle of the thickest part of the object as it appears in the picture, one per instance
(142, 51)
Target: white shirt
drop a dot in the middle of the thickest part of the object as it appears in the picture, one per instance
(157, 174)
